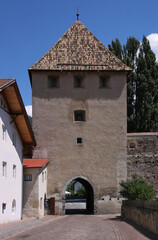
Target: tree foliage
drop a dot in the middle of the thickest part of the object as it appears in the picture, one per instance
(142, 84)
(137, 189)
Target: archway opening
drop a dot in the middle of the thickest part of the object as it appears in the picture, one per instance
(79, 197)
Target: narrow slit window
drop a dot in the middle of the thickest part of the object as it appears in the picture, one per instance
(4, 169)
(4, 132)
(14, 171)
(14, 206)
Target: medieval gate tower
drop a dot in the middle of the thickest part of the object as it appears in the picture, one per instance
(79, 115)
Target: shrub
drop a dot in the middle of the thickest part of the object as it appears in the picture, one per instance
(137, 189)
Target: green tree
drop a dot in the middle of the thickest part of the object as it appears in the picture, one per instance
(146, 89)
(70, 188)
(81, 191)
(137, 189)
(142, 84)
(129, 58)
(116, 48)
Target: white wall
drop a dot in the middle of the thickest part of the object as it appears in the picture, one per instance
(10, 188)
(42, 189)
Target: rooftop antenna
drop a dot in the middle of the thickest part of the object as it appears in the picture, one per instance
(77, 14)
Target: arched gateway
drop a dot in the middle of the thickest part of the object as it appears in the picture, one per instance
(79, 116)
(89, 192)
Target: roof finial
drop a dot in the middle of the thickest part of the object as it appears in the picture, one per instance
(77, 14)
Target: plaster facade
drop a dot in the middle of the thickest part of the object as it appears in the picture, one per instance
(101, 157)
(35, 192)
(11, 167)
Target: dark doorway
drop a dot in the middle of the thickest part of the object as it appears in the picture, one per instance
(76, 198)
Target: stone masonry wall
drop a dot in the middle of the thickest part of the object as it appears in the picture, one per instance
(142, 158)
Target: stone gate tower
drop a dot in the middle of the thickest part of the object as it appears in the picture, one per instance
(79, 115)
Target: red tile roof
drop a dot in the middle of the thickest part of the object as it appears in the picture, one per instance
(79, 49)
(34, 163)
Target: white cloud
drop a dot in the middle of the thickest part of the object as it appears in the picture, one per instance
(153, 39)
(29, 110)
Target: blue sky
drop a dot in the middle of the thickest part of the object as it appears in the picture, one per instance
(28, 29)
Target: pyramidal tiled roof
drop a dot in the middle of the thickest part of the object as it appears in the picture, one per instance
(79, 49)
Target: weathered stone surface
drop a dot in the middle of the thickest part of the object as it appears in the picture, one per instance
(142, 156)
(101, 159)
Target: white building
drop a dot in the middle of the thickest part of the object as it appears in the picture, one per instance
(35, 187)
(16, 136)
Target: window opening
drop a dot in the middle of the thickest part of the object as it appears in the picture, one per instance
(42, 176)
(14, 171)
(78, 82)
(79, 116)
(4, 132)
(53, 82)
(79, 141)
(104, 82)
(14, 206)
(4, 206)
(28, 177)
(41, 203)
(4, 169)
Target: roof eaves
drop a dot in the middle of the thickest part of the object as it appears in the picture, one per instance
(24, 113)
(44, 164)
(7, 84)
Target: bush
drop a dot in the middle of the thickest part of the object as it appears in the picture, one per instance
(137, 189)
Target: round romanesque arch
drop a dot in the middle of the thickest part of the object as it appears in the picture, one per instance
(89, 191)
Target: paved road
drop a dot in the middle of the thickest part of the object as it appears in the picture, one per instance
(78, 227)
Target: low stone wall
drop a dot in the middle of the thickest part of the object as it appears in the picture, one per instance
(142, 213)
(142, 157)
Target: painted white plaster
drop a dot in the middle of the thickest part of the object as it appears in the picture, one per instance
(10, 186)
(42, 186)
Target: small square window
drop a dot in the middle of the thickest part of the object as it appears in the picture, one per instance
(78, 82)
(79, 141)
(79, 116)
(28, 177)
(53, 82)
(104, 82)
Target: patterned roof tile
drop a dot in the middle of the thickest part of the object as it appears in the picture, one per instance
(79, 49)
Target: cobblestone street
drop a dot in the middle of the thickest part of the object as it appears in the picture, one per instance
(74, 227)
